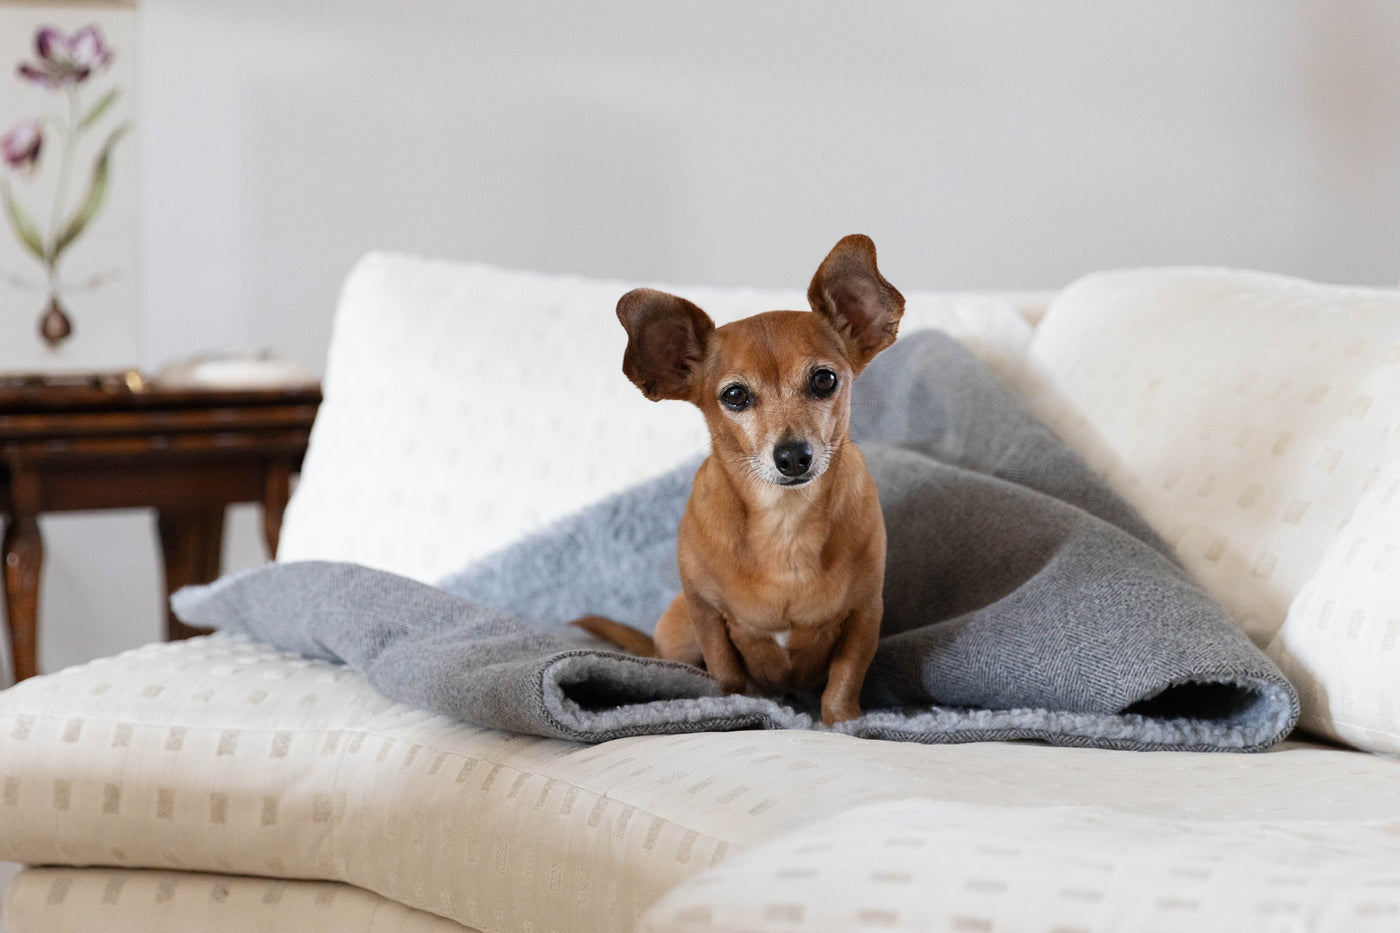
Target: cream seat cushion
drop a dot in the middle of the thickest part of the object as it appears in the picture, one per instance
(114, 900)
(918, 865)
(217, 755)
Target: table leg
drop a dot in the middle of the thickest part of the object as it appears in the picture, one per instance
(191, 541)
(23, 552)
(277, 490)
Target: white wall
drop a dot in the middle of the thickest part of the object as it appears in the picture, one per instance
(990, 144)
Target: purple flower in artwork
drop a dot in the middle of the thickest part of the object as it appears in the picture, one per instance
(65, 60)
(20, 147)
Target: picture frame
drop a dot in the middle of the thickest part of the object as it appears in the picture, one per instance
(68, 187)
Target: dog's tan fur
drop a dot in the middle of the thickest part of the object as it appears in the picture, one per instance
(781, 574)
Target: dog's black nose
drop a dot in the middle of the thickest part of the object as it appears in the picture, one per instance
(793, 458)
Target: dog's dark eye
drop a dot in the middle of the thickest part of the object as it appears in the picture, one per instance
(823, 383)
(735, 397)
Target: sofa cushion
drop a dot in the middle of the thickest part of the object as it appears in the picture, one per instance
(1341, 642)
(919, 865)
(218, 755)
(1244, 414)
(466, 406)
(116, 900)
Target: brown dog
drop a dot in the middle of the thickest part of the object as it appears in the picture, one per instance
(782, 545)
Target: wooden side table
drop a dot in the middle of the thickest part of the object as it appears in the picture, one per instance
(187, 453)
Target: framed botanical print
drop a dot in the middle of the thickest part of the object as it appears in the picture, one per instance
(68, 230)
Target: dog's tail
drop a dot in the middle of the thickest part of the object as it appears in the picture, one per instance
(624, 636)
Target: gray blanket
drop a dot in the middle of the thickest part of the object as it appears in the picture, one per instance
(1023, 600)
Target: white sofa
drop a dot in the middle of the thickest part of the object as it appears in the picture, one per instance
(217, 785)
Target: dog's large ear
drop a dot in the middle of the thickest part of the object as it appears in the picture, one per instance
(666, 341)
(849, 291)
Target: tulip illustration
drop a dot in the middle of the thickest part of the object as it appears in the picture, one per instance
(66, 60)
(63, 64)
(21, 146)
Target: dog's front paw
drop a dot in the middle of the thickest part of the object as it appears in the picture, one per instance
(733, 685)
(834, 710)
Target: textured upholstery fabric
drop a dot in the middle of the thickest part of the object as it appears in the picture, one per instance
(1341, 642)
(917, 866)
(1244, 414)
(216, 755)
(467, 405)
(78, 900)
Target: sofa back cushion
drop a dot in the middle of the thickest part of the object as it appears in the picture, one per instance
(1244, 414)
(466, 406)
(1340, 645)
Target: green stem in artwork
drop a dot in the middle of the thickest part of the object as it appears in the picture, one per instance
(70, 145)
